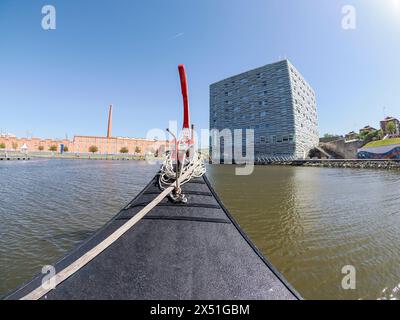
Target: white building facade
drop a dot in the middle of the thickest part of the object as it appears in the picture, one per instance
(276, 102)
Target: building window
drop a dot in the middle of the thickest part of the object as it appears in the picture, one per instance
(262, 139)
(274, 139)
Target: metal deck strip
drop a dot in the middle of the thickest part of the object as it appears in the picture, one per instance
(181, 218)
(170, 204)
(195, 181)
(195, 193)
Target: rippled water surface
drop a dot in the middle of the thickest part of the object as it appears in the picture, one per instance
(309, 222)
(48, 206)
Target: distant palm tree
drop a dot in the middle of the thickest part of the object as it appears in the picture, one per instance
(40, 148)
(124, 150)
(66, 149)
(2, 146)
(53, 148)
(93, 149)
(137, 150)
(14, 145)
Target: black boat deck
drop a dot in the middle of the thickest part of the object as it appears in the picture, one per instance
(193, 251)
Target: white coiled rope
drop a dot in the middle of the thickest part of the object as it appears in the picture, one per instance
(167, 176)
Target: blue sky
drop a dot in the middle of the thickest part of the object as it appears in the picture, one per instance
(126, 53)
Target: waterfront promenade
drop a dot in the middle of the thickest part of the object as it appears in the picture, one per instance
(79, 156)
(338, 163)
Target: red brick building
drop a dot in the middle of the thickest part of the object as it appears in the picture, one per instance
(83, 144)
(32, 144)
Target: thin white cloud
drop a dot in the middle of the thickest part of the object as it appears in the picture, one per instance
(180, 34)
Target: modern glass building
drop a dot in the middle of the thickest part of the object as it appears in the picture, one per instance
(274, 100)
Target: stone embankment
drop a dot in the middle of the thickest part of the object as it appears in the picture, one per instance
(357, 164)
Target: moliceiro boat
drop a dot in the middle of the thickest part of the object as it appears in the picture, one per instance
(174, 240)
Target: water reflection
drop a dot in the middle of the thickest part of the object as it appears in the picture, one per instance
(310, 222)
(49, 206)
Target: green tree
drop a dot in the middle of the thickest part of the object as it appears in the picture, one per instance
(124, 150)
(14, 145)
(93, 149)
(53, 148)
(137, 150)
(66, 149)
(40, 148)
(391, 127)
(362, 135)
(371, 136)
(2, 146)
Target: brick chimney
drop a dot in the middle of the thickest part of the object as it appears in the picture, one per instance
(109, 122)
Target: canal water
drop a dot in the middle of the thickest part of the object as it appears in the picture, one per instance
(309, 222)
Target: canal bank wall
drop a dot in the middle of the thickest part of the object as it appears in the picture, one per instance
(78, 156)
(339, 163)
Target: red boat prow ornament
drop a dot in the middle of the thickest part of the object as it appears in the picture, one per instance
(182, 162)
(185, 143)
(184, 88)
